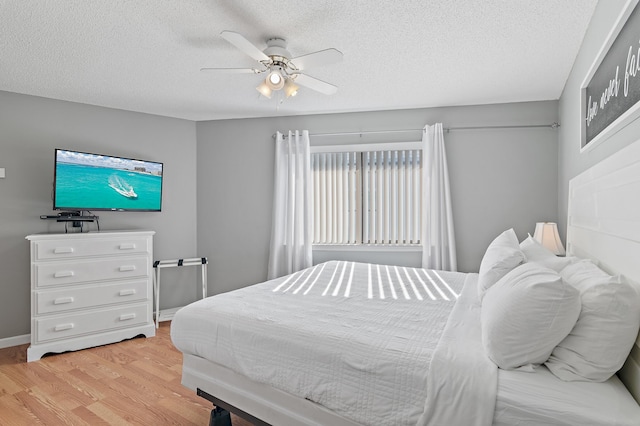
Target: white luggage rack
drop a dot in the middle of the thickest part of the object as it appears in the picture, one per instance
(158, 265)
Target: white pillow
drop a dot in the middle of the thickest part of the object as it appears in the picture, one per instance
(584, 273)
(502, 255)
(607, 327)
(536, 252)
(526, 314)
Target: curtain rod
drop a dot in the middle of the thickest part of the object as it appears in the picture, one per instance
(553, 125)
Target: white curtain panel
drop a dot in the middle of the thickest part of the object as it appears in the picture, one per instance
(438, 240)
(292, 229)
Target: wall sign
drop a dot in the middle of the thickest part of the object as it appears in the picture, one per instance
(611, 90)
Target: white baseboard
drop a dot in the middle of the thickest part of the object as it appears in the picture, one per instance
(15, 341)
(167, 314)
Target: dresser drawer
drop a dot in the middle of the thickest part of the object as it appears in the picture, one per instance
(71, 298)
(80, 271)
(71, 325)
(70, 248)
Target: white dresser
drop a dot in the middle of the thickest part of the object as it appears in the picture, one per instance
(89, 289)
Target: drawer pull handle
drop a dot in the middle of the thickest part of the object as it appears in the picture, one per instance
(62, 250)
(63, 300)
(63, 274)
(127, 246)
(127, 292)
(63, 327)
(125, 317)
(127, 268)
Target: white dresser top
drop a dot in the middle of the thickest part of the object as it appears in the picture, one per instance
(90, 234)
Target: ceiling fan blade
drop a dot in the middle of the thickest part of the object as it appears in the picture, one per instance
(245, 45)
(315, 84)
(322, 57)
(230, 70)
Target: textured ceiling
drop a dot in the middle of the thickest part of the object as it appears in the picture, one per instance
(146, 55)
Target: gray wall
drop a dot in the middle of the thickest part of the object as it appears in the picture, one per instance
(499, 179)
(30, 129)
(571, 161)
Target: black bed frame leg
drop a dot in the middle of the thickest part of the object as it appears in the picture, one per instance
(220, 417)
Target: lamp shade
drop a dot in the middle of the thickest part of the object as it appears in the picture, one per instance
(264, 89)
(547, 234)
(275, 80)
(290, 88)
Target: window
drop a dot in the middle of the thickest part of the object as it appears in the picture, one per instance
(368, 196)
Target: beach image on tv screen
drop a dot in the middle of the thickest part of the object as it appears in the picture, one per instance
(91, 181)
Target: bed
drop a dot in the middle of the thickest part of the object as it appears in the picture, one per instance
(346, 343)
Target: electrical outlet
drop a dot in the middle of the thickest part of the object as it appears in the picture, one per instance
(1, 172)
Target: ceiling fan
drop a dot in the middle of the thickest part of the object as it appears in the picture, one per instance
(282, 71)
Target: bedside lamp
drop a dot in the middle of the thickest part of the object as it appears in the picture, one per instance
(546, 233)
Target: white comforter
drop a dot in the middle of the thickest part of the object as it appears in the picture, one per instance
(463, 382)
(355, 338)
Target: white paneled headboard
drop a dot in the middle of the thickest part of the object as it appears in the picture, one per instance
(604, 225)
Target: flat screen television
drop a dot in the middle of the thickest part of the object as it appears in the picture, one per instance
(85, 181)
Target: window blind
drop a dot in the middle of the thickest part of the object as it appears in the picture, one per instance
(336, 197)
(370, 197)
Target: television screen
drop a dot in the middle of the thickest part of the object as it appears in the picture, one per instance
(85, 181)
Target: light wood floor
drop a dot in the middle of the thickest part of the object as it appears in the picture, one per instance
(135, 382)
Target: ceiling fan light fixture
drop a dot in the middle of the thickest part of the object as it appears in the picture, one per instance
(280, 68)
(264, 89)
(290, 88)
(275, 80)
